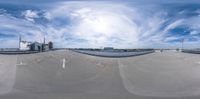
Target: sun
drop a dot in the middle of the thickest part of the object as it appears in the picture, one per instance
(99, 24)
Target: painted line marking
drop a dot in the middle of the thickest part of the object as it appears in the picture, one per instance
(21, 63)
(198, 62)
(63, 63)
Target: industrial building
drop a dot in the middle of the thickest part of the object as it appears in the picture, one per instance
(108, 48)
(34, 46)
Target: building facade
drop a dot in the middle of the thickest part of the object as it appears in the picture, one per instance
(24, 45)
(36, 47)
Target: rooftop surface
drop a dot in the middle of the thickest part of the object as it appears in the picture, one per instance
(64, 74)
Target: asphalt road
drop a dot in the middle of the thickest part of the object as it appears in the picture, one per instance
(66, 74)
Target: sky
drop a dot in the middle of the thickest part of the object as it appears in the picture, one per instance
(103, 23)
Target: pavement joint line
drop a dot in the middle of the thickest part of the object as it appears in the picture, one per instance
(68, 62)
(119, 63)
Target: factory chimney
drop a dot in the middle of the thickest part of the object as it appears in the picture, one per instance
(44, 40)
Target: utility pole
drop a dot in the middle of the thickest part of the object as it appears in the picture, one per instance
(182, 41)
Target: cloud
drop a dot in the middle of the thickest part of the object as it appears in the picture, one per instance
(9, 43)
(194, 32)
(174, 24)
(100, 23)
(30, 15)
(107, 24)
(14, 26)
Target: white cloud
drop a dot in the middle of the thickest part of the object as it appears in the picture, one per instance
(170, 38)
(104, 24)
(174, 24)
(9, 43)
(98, 24)
(2, 11)
(194, 33)
(47, 15)
(30, 15)
(27, 29)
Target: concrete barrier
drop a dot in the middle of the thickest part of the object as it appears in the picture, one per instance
(114, 54)
(191, 51)
(17, 52)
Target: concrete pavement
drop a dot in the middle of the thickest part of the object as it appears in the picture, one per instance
(162, 74)
(65, 74)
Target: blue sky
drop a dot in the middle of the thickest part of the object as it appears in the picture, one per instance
(96, 24)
